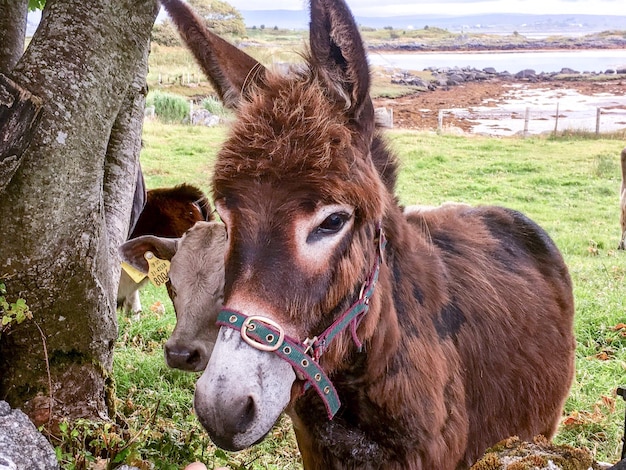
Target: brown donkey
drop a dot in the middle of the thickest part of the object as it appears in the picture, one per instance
(397, 341)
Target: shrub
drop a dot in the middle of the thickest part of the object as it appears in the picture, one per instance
(165, 34)
(214, 106)
(168, 107)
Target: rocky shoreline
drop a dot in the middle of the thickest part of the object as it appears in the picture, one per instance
(462, 42)
(444, 77)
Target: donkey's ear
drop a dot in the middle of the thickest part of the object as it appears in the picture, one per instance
(337, 53)
(230, 70)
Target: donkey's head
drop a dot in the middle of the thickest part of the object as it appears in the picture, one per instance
(297, 188)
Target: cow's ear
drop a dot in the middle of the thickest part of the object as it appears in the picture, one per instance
(230, 70)
(133, 251)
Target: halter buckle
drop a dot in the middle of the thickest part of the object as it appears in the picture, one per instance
(382, 242)
(309, 344)
(267, 343)
(362, 292)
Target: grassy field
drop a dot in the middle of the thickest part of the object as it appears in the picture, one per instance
(569, 185)
(173, 69)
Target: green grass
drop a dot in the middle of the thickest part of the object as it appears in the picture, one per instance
(568, 185)
(173, 154)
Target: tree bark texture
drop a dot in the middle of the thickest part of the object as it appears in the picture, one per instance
(13, 18)
(62, 214)
(19, 116)
(122, 160)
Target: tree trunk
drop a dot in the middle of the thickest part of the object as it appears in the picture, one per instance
(13, 17)
(66, 208)
(122, 160)
(19, 117)
(19, 110)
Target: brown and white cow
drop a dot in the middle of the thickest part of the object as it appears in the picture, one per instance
(167, 212)
(195, 286)
(395, 341)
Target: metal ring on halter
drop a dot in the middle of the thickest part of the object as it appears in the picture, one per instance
(249, 326)
(309, 344)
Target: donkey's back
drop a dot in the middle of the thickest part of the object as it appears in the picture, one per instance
(509, 313)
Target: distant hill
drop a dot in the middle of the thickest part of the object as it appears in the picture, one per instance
(492, 23)
(287, 19)
(497, 23)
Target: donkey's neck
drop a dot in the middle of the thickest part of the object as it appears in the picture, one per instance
(371, 385)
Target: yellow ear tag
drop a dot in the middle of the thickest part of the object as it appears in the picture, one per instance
(158, 269)
(136, 275)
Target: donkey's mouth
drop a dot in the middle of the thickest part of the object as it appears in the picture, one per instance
(229, 445)
(230, 441)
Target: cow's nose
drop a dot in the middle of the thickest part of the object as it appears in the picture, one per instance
(183, 357)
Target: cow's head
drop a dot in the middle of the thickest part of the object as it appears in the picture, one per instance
(195, 286)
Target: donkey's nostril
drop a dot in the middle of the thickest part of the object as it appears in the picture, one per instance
(248, 414)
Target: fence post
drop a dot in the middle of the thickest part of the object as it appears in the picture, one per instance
(440, 121)
(526, 119)
(391, 117)
(598, 113)
(556, 121)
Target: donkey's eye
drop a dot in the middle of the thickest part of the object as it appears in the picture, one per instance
(333, 223)
(328, 221)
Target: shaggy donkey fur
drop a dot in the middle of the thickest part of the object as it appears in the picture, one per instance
(469, 336)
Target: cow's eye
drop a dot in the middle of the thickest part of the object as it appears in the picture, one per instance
(171, 291)
(333, 223)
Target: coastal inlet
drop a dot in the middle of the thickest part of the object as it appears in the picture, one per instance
(501, 103)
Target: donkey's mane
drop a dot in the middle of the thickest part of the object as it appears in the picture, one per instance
(291, 122)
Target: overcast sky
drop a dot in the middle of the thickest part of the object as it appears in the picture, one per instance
(457, 7)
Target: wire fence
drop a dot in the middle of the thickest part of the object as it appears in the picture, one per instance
(540, 120)
(187, 78)
(523, 121)
(496, 121)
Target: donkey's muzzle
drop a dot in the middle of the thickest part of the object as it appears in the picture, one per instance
(236, 418)
(242, 392)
